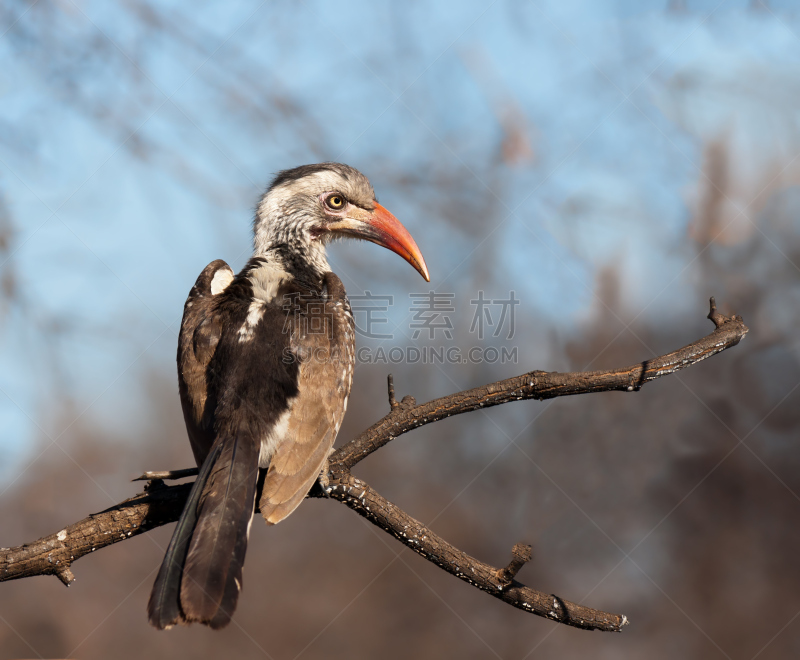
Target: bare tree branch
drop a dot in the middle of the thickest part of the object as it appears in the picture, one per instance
(54, 554)
(160, 504)
(361, 498)
(407, 415)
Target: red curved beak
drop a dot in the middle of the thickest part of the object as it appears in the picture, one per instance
(383, 228)
(392, 235)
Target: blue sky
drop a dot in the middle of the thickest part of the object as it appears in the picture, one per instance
(133, 150)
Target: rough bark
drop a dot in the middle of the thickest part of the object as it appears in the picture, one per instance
(407, 415)
(54, 554)
(160, 504)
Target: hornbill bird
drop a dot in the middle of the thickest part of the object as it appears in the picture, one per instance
(265, 365)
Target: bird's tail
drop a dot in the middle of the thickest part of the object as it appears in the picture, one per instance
(201, 575)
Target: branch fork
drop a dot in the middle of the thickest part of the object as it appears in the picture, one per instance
(160, 504)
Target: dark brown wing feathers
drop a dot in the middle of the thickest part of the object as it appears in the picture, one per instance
(196, 345)
(281, 385)
(326, 370)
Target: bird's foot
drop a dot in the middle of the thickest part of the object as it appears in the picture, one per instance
(324, 481)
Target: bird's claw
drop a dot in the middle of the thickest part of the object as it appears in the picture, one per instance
(324, 482)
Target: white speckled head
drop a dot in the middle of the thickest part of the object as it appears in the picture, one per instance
(307, 207)
(291, 212)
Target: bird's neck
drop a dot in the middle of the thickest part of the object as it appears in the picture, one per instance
(299, 262)
(279, 262)
(291, 247)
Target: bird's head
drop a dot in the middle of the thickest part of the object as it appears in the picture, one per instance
(307, 207)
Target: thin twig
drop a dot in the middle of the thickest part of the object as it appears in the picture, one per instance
(170, 475)
(392, 401)
(520, 555)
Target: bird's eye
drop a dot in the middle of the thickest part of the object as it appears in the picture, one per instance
(335, 201)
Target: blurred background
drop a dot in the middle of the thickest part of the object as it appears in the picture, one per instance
(611, 164)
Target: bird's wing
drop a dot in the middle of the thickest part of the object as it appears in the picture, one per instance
(326, 349)
(197, 342)
(239, 343)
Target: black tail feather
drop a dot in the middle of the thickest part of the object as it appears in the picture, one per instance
(212, 574)
(200, 577)
(163, 609)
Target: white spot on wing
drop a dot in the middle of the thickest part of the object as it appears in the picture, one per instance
(252, 509)
(221, 280)
(254, 314)
(270, 442)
